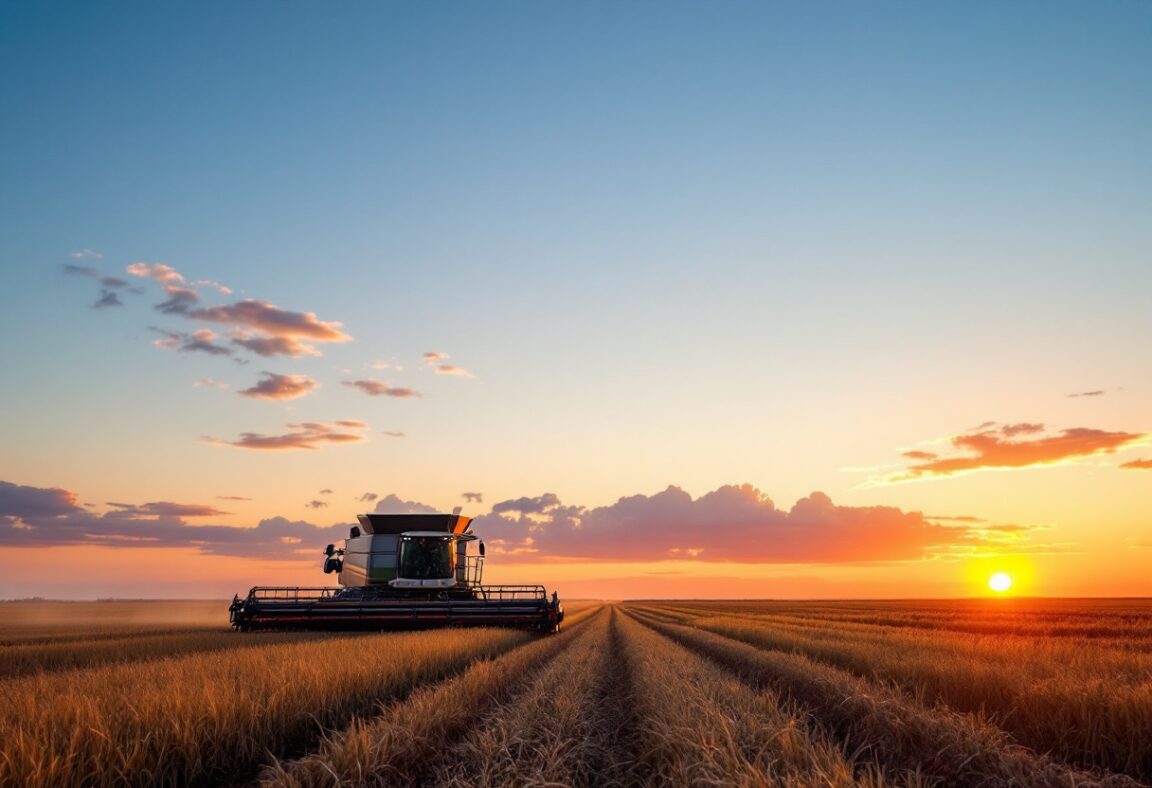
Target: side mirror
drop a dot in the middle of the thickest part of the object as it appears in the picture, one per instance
(329, 550)
(354, 533)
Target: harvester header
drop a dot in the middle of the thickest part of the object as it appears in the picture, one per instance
(401, 571)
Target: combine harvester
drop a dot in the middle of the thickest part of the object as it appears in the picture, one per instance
(401, 571)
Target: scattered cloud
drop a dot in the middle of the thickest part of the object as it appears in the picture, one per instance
(1096, 393)
(316, 504)
(309, 435)
(1138, 465)
(473, 497)
(273, 386)
(325, 491)
(209, 383)
(436, 359)
(79, 270)
(181, 300)
(274, 346)
(272, 320)
(107, 298)
(202, 340)
(368, 497)
(1002, 447)
(33, 502)
(164, 274)
(535, 505)
(113, 282)
(166, 509)
(393, 504)
(83, 253)
(452, 369)
(233, 498)
(394, 434)
(377, 388)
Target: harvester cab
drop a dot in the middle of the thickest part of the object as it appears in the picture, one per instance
(401, 570)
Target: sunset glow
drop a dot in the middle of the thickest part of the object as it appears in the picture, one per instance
(671, 304)
(1000, 582)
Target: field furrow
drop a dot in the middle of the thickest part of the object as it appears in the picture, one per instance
(1079, 704)
(403, 745)
(209, 717)
(903, 736)
(563, 729)
(698, 725)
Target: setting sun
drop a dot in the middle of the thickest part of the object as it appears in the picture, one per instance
(1000, 582)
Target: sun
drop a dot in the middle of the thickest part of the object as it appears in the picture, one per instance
(1000, 582)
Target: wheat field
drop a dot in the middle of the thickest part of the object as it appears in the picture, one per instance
(968, 693)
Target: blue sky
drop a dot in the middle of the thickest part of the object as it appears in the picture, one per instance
(675, 243)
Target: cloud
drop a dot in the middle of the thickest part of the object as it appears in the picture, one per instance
(233, 498)
(392, 504)
(310, 435)
(535, 505)
(315, 504)
(1096, 393)
(202, 340)
(434, 356)
(473, 497)
(167, 509)
(275, 346)
(82, 253)
(731, 524)
(452, 369)
(325, 491)
(1138, 465)
(29, 502)
(113, 282)
(377, 388)
(164, 274)
(271, 319)
(273, 386)
(992, 447)
(107, 298)
(180, 301)
(208, 383)
(79, 270)
(38, 518)
(368, 497)
(394, 434)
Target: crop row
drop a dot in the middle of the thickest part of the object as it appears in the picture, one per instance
(907, 738)
(1088, 705)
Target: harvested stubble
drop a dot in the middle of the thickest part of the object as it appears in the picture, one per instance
(1081, 702)
(566, 728)
(209, 717)
(697, 725)
(403, 745)
(903, 736)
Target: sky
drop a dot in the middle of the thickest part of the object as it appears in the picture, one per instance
(686, 300)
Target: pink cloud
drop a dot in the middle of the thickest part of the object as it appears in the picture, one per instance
(991, 447)
(731, 524)
(309, 435)
(273, 386)
(1138, 465)
(434, 356)
(164, 274)
(275, 346)
(377, 388)
(452, 369)
(271, 319)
